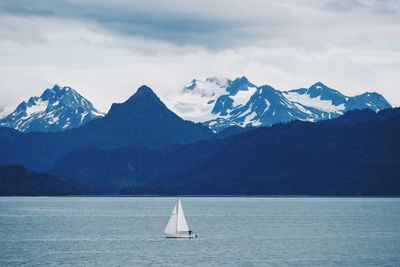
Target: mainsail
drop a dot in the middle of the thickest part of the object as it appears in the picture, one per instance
(181, 222)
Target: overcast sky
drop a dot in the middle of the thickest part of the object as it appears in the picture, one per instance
(106, 49)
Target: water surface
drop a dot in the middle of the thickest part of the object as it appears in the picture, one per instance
(119, 231)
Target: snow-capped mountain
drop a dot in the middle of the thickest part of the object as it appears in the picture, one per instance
(57, 109)
(202, 101)
(221, 103)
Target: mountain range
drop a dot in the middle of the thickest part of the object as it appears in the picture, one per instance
(142, 147)
(141, 121)
(216, 103)
(223, 103)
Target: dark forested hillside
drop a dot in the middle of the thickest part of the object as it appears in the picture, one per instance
(18, 181)
(107, 171)
(357, 154)
(327, 158)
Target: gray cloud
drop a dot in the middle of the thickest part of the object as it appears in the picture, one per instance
(345, 5)
(169, 25)
(107, 48)
(379, 6)
(25, 7)
(209, 24)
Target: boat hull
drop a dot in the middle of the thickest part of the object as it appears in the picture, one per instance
(183, 235)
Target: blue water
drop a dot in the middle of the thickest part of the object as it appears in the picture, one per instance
(107, 231)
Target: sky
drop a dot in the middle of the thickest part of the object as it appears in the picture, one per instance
(107, 49)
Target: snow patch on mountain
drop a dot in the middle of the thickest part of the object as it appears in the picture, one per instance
(316, 102)
(241, 97)
(38, 106)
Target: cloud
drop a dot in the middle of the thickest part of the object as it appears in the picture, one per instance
(24, 7)
(378, 6)
(159, 20)
(105, 49)
(215, 25)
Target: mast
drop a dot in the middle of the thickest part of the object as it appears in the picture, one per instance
(177, 214)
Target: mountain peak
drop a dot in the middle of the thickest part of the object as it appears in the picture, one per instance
(209, 87)
(144, 89)
(145, 117)
(220, 81)
(57, 88)
(191, 85)
(239, 84)
(143, 93)
(326, 93)
(58, 91)
(318, 85)
(143, 101)
(242, 79)
(58, 108)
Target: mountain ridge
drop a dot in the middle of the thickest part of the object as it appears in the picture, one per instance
(221, 103)
(217, 103)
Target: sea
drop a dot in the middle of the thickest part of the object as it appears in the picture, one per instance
(232, 231)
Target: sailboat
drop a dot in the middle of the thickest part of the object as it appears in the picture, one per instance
(177, 226)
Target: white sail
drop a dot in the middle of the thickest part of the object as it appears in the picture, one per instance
(172, 223)
(181, 221)
(177, 226)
